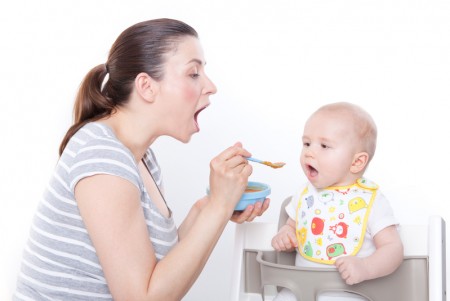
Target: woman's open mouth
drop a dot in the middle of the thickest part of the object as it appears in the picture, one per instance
(196, 115)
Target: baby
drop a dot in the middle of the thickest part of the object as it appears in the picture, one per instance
(339, 217)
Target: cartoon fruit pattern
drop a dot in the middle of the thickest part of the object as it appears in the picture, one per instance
(331, 223)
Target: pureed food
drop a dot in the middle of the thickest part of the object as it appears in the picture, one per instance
(253, 189)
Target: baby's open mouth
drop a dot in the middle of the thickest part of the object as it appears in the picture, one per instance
(311, 170)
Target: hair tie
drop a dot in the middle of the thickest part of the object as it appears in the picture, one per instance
(105, 79)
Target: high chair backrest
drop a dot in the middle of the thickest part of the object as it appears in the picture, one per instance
(259, 270)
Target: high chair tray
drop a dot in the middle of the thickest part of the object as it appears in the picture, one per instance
(408, 282)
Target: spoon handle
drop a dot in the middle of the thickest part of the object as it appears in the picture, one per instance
(254, 159)
(273, 165)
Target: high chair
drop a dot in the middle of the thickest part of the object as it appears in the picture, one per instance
(259, 271)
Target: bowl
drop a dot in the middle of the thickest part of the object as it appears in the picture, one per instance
(255, 192)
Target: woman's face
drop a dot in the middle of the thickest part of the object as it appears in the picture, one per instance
(184, 89)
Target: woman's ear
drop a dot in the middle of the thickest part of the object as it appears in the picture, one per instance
(145, 86)
(360, 161)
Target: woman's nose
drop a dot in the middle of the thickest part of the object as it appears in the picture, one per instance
(210, 87)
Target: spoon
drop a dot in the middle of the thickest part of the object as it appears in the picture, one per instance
(273, 165)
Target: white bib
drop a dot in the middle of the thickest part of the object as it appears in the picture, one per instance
(331, 222)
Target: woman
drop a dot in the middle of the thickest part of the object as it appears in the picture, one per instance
(103, 229)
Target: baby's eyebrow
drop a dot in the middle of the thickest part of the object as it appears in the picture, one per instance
(325, 140)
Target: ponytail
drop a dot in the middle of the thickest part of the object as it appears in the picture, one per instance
(90, 103)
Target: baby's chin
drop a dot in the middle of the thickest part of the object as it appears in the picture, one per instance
(315, 181)
(319, 186)
(319, 183)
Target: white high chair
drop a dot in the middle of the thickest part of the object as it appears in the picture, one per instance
(259, 270)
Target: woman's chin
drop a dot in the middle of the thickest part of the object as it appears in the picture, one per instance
(184, 138)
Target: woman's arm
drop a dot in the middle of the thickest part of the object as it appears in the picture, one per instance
(110, 207)
(248, 215)
(191, 217)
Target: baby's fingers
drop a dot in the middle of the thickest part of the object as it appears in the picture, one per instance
(293, 240)
(286, 243)
(278, 244)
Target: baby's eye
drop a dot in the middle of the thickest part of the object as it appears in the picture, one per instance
(306, 144)
(324, 146)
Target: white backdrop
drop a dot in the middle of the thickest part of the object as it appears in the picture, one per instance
(274, 62)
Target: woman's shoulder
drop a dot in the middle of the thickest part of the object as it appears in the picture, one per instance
(98, 137)
(96, 132)
(95, 150)
(96, 142)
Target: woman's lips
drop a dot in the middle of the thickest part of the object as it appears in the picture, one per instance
(196, 116)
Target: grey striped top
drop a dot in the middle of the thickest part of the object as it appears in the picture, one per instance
(59, 261)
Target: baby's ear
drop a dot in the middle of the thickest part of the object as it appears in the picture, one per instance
(360, 161)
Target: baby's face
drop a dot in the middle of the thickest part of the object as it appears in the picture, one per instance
(329, 145)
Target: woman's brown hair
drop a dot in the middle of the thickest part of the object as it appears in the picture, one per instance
(140, 48)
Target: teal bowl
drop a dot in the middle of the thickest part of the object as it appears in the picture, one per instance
(255, 192)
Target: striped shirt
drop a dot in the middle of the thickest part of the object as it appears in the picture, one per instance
(59, 261)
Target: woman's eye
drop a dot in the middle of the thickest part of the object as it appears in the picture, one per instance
(194, 73)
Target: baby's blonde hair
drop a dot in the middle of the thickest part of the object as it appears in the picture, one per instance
(363, 124)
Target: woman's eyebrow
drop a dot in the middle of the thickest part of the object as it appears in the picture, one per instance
(200, 62)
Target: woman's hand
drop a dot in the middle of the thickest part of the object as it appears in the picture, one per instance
(250, 212)
(229, 173)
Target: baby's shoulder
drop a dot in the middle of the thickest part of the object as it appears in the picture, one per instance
(367, 184)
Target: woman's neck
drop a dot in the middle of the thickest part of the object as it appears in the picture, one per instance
(131, 133)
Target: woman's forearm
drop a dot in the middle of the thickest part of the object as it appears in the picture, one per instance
(191, 217)
(187, 259)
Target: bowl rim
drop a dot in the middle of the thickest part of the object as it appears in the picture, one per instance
(265, 191)
(254, 194)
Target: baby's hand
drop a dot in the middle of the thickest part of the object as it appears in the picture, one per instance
(352, 269)
(285, 240)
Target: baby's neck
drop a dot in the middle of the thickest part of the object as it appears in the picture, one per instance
(346, 183)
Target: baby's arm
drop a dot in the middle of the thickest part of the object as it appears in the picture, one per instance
(385, 260)
(285, 240)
